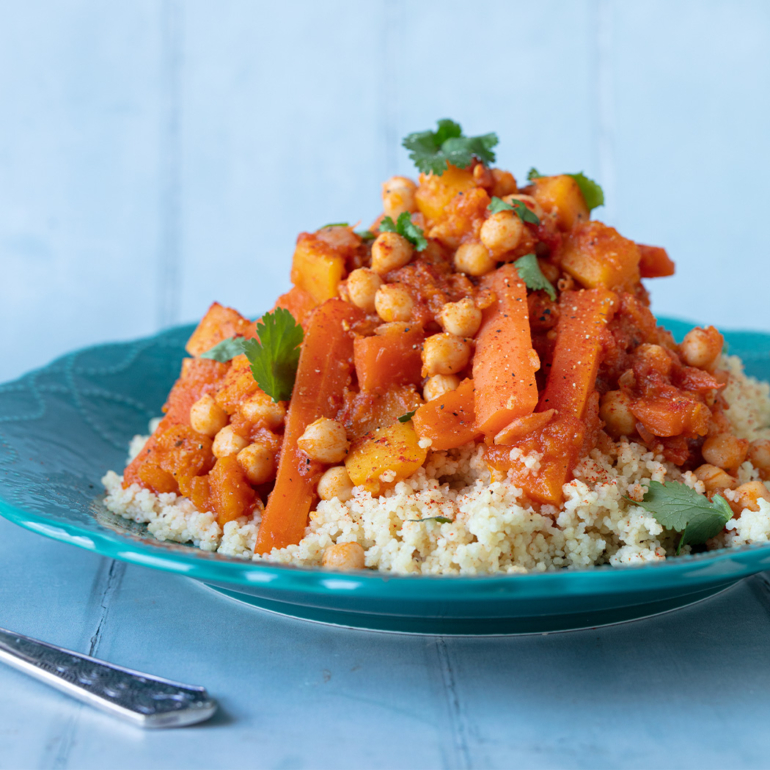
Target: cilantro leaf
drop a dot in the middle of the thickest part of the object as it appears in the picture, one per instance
(682, 509)
(225, 350)
(365, 235)
(275, 356)
(406, 417)
(335, 224)
(439, 519)
(522, 211)
(592, 192)
(405, 228)
(530, 272)
(433, 151)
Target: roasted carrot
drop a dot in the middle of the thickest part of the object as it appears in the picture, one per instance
(449, 420)
(325, 368)
(504, 365)
(582, 320)
(389, 357)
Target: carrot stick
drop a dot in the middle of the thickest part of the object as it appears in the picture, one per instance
(325, 367)
(504, 365)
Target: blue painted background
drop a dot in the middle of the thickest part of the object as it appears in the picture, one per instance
(156, 155)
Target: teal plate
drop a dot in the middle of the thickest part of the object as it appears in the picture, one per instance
(63, 426)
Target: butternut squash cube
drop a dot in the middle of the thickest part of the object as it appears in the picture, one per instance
(561, 196)
(598, 257)
(317, 268)
(435, 192)
(386, 456)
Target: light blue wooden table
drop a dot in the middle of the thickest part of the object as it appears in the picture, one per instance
(148, 148)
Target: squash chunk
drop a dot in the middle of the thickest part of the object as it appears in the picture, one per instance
(673, 416)
(583, 316)
(386, 456)
(654, 262)
(317, 268)
(367, 411)
(504, 365)
(218, 324)
(435, 192)
(598, 257)
(449, 421)
(299, 303)
(324, 371)
(560, 195)
(230, 494)
(390, 357)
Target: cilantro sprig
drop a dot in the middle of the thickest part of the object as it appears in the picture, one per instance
(592, 191)
(439, 519)
(405, 228)
(274, 357)
(522, 211)
(677, 507)
(530, 272)
(408, 416)
(433, 151)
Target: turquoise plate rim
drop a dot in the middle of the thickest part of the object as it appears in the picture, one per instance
(691, 570)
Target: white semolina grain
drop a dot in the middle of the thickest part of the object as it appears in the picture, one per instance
(493, 528)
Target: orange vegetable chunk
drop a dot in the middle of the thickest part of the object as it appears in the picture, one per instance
(435, 192)
(298, 302)
(218, 324)
(505, 363)
(449, 421)
(561, 196)
(583, 317)
(654, 262)
(317, 268)
(598, 257)
(325, 367)
(390, 357)
(230, 494)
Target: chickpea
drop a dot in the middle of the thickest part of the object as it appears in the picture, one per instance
(393, 303)
(444, 354)
(657, 358)
(325, 440)
(227, 442)
(389, 252)
(439, 384)
(258, 463)
(502, 232)
(528, 201)
(343, 556)
(702, 347)
(615, 411)
(335, 483)
(362, 287)
(460, 318)
(398, 196)
(759, 454)
(714, 478)
(749, 495)
(474, 259)
(207, 416)
(505, 183)
(261, 410)
(725, 450)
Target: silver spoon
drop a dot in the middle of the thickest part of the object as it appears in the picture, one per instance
(141, 699)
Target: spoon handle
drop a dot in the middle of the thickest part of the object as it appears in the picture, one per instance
(141, 699)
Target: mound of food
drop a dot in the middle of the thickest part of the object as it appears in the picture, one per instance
(476, 384)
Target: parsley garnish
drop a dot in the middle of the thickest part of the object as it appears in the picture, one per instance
(520, 208)
(532, 275)
(274, 357)
(406, 417)
(433, 151)
(439, 519)
(405, 228)
(365, 235)
(682, 509)
(335, 224)
(592, 191)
